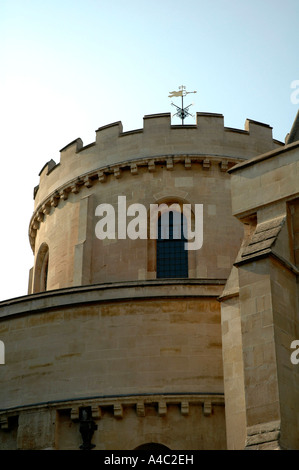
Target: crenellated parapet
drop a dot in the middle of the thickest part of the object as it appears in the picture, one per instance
(114, 152)
(158, 138)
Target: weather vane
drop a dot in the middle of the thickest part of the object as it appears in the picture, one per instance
(182, 112)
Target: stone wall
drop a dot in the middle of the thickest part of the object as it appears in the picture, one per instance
(264, 310)
(78, 257)
(153, 364)
(99, 333)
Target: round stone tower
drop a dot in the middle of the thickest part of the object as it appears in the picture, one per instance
(120, 332)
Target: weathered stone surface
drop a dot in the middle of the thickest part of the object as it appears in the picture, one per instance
(152, 360)
(260, 304)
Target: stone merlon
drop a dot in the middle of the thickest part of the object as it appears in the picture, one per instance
(208, 137)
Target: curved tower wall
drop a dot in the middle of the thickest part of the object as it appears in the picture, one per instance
(99, 330)
(160, 163)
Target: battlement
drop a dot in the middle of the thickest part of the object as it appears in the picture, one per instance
(157, 138)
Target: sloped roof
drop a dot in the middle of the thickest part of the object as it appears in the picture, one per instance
(293, 136)
(262, 240)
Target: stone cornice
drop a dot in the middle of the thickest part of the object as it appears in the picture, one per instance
(124, 291)
(100, 175)
(264, 157)
(116, 403)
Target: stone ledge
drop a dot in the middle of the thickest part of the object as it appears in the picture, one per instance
(117, 402)
(263, 157)
(118, 291)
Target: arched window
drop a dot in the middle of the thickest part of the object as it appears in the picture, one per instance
(41, 269)
(172, 257)
(44, 272)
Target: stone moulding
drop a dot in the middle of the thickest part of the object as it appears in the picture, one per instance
(117, 403)
(99, 175)
(124, 291)
(265, 156)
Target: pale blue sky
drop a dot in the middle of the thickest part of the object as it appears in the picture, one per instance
(68, 67)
